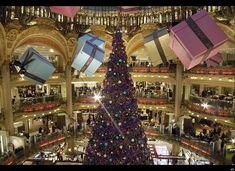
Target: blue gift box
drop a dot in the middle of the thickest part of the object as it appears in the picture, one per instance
(93, 39)
(88, 58)
(35, 67)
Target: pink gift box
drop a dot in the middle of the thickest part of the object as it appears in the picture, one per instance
(198, 42)
(69, 11)
(215, 60)
(129, 9)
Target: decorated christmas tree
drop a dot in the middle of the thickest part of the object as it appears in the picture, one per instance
(117, 135)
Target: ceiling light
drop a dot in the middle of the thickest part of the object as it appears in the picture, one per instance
(97, 97)
(51, 50)
(205, 105)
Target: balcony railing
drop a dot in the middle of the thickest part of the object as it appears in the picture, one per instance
(38, 104)
(213, 70)
(194, 144)
(144, 69)
(108, 16)
(141, 100)
(211, 107)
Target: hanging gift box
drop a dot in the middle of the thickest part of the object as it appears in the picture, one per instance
(93, 39)
(34, 67)
(157, 48)
(196, 39)
(129, 9)
(69, 11)
(88, 59)
(215, 60)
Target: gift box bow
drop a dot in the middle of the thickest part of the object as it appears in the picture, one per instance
(22, 65)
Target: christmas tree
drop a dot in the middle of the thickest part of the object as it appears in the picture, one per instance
(117, 135)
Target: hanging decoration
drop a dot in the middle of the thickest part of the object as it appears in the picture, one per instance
(196, 39)
(34, 67)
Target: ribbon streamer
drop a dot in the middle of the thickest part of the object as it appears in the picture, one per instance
(201, 35)
(159, 47)
(90, 59)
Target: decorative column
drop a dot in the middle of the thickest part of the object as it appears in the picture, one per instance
(69, 101)
(219, 90)
(26, 125)
(7, 100)
(63, 89)
(187, 91)
(201, 88)
(178, 90)
(48, 89)
(1, 98)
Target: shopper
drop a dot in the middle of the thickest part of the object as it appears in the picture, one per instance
(40, 130)
(88, 120)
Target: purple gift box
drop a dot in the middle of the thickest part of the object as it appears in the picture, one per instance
(215, 60)
(196, 39)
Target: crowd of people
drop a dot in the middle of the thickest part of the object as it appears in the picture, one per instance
(213, 133)
(87, 91)
(151, 90)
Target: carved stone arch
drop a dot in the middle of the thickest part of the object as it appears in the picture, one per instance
(42, 35)
(2, 44)
(134, 44)
(229, 31)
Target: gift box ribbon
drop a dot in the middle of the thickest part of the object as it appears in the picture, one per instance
(92, 56)
(159, 47)
(214, 61)
(201, 35)
(28, 59)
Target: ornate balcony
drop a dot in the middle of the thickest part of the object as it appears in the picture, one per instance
(213, 107)
(213, 70)
(38, 104)
(106, 15)
(144, 69)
